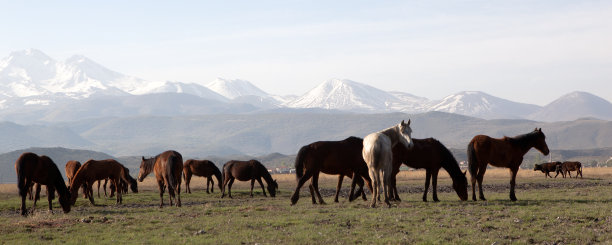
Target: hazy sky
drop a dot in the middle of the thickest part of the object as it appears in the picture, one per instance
(527, 51)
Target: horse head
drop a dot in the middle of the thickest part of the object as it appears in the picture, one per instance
(145, 168)
(272, 186)
(460, 186)
(65, 201)
(405, 133)
(540, 143)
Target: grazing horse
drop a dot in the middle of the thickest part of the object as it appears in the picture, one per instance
(203, 168)
(244, 171)
(41, 170)
(71, 168)
(334, 158)
(566, 167)
(123, 187)
(168, 168)
(505, 152)
(431, 155)
(378, 154)
(93, 170)
(547, 168)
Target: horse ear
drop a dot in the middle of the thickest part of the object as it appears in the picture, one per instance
(408, 124)
(143, 158)
(403, 123)
(540, 129)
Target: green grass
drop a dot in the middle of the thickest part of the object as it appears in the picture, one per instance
(541, 216)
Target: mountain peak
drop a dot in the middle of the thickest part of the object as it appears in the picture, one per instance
(235, 88)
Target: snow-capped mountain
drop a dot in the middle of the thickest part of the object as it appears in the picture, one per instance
(188, 88)
(343, 94)
(575, 105)
(31, 73)
(235, 88)
(479, 104)
(410, 103)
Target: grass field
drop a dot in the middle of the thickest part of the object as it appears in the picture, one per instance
(549, 211)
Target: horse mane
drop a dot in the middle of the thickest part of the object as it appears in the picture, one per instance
(149, 164)
(58, 180)
(523, 139)
(449, 163)
(264, 171)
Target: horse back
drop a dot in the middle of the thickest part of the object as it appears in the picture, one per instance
(377, 150)
(39, 169)
(242, 170)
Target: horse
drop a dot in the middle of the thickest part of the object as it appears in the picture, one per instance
(378, 154)
(547, 168)
(41, 170)
(244, 171)
(71, 168)
(94, 170)
(566, 167)
(341, 158)
(168, 168)
(431, 155)
(505, 152)
(123, 186)
(204, 168)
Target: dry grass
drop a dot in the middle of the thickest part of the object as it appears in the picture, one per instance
(288, 181)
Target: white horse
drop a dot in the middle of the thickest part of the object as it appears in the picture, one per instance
(378, 155)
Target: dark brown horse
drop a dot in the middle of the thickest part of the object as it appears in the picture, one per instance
(168, 168)
(547, 168)
(94, 170)
(505, 152)
(431, 155)
(566, 167)
(341, 158)
(203, 168)
(32, 168)
(244, 171)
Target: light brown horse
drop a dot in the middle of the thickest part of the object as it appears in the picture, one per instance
(431, 155)
(341, 158)
(203, 168)
(94, 170)
(71, 168)
(41, 170)
(168, 168)
(244, 171)
(505, 152)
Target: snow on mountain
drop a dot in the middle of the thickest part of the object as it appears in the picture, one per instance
(479, 104)
(188, 88)
(235, 88)
(343, 94)
(573, 106)
(410, 103)
(30, 72)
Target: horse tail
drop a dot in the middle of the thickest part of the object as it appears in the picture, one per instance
(170, 162)
(21, 179)
(299, 161)
(472, 165)
(218, 174)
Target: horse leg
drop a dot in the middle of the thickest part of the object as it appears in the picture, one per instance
(36, 193)
(229, 187)
(117, 190)
(315, 186)
(262, 186)
(212, 184)
(480, 176)
(387, 184)
(427, 179)
(296, 194)
(90, 187)
(162, 188)
(375, 186)
(23, 192)
(473, 181)
(104, 186)
(225, 181)
(513, 183)
(252, 185)
(178, 192)
(312, 195)
(357, 180)
(394, 193)
(434, 184)
(187, 180)
(340, 178)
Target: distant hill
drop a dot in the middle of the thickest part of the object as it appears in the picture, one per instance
(574, 105)
(59, 156)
